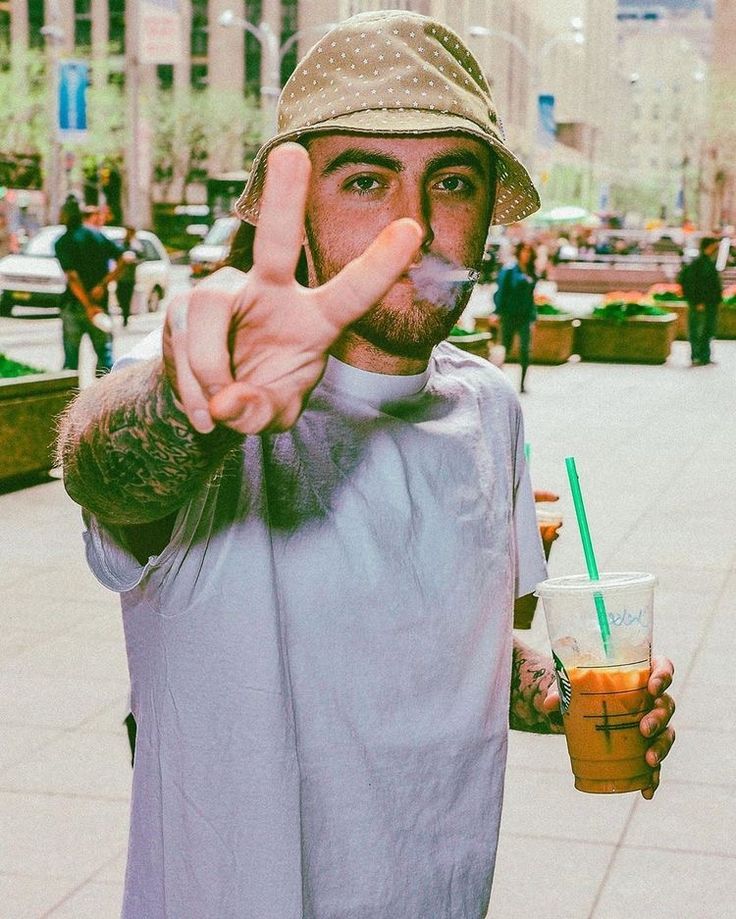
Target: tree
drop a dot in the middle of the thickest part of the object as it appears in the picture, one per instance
(200, 132)
(23, 118)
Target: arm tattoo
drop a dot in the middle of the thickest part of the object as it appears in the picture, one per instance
(531, 675)
(129, 454)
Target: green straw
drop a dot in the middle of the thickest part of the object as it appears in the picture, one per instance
(527, 452)
(590, 562)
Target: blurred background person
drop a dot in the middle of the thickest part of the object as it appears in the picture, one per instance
(514, 302)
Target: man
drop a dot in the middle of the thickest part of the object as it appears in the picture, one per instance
(317, 513)
(701, 286)
(125, 286)
(85, 255)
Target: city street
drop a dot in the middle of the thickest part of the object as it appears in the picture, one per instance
(654, 447)
(33, 335)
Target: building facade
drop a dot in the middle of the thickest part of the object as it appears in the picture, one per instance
(528, 49)
(665, 59)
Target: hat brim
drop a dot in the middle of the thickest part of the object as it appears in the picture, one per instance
(516, 196)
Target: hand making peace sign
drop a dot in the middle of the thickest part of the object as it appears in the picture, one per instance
(246, 350)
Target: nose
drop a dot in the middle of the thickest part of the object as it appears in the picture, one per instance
(414, 203)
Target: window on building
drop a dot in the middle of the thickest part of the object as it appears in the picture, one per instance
(116, 78)
(165, 76)
(116, 26)
(200, 20)
(5, 24)
(198, 76)
(199, 28)
(252, 49)
(83, 24)
(35, 23)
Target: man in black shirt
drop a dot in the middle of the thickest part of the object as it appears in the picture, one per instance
(701, 286)
(85, 255)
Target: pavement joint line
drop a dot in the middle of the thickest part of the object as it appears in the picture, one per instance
(74, 796)
(75, 890)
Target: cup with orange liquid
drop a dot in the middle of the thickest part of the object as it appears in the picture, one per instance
(602, 679)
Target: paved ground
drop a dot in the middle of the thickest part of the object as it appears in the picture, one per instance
(655, 449)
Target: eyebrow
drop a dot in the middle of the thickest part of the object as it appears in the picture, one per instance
(355, 156)
(358, 156)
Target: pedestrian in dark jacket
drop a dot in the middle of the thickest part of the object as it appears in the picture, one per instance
(514, 301)
(701, 287)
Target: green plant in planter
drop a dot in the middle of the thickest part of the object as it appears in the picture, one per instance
(621, 311)
(10, 368)
(549, 309)
(729, 298)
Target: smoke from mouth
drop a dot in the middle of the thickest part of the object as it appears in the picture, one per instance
(440, 282)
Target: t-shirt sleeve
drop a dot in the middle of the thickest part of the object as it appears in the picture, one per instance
(113, 250)
(64, 254)
(531, 567)
(110, 562)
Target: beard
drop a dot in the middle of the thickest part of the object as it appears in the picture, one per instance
(417, 313)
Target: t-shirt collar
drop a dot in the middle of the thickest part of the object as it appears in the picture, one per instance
(374, 388)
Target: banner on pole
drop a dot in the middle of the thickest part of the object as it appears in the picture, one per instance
(160, 32)
(546, 124)
(72, 102)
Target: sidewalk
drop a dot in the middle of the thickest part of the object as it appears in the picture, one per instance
(655, 448)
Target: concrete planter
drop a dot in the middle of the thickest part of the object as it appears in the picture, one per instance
(475, 343)
(679, 308)
(638, 340)
(726, 325)
(29, 406)
(552, 340)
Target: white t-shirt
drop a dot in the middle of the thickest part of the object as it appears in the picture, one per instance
(320, 659)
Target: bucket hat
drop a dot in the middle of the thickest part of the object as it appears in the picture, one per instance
(393, 72)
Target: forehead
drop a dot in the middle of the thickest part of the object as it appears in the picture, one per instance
(411, 151)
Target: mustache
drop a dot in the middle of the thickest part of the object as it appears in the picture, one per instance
(440, 281)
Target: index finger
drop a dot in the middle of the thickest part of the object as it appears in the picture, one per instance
(660, 679)
(280, 231)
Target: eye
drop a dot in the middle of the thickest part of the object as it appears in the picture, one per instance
(363, 184)
(455, 184)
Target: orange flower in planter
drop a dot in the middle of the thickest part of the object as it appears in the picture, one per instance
(623, 296)
(729, 295)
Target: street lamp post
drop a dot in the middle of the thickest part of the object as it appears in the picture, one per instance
(271, 58)
(54, 37)
(575, 36)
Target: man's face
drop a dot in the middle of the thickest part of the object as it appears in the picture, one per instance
(360, 184)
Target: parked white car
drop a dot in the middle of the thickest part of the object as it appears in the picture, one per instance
(207, 256)
(34, 277)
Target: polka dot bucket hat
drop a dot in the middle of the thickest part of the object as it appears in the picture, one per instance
(393, 72)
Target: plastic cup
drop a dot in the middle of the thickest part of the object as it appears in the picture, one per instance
(603, 695)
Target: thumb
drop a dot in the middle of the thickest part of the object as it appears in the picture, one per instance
(363, 282)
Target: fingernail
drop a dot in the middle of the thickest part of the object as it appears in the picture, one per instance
(202, 421)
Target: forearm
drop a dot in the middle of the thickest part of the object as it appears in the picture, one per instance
(129, 454)
(532, 674)
(80, 292)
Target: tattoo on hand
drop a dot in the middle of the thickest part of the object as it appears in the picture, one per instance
(129, 454)
(531, 676)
